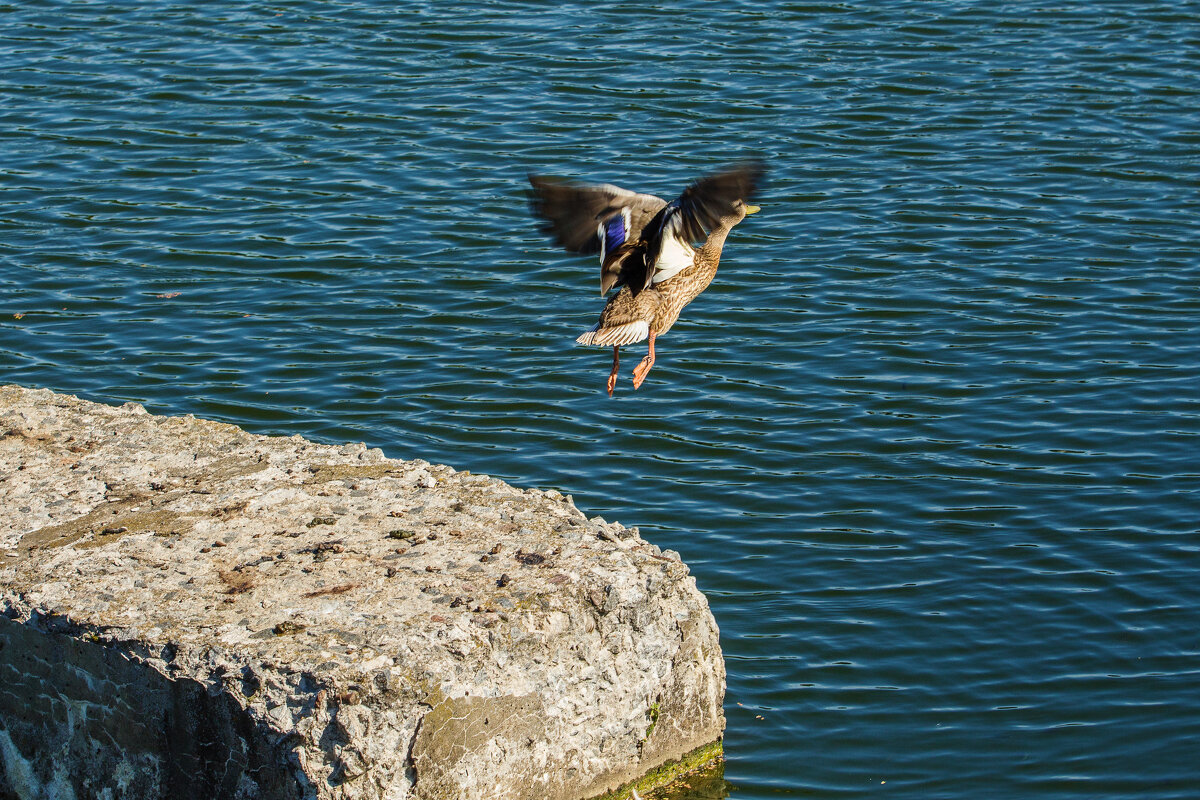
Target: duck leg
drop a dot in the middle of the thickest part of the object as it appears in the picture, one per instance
(612, 377)
(642, 369)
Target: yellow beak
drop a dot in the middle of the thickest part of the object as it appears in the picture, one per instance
(752, 210)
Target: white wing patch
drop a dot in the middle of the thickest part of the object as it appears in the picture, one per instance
(616, 336)
(674, 257)
(676, 253)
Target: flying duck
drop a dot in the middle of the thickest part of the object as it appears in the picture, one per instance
(660, 255)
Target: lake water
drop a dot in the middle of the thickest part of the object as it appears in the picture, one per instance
(930, 442)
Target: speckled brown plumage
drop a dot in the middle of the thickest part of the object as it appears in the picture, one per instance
(661, 304)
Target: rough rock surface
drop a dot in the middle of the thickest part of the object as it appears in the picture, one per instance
(188, 610)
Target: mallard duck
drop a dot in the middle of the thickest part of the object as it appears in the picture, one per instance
(647, 248)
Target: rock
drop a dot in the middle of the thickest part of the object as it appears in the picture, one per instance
(189, 610)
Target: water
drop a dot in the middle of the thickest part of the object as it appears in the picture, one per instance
(929, 442)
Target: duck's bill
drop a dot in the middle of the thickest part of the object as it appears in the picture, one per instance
(753, 209)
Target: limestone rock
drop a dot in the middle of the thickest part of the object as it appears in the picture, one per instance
(189, 610)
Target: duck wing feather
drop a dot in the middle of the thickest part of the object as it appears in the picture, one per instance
(692, 215)
(586, 218)
(634, 232)
(666, 246)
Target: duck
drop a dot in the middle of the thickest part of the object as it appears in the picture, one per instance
(658, 255)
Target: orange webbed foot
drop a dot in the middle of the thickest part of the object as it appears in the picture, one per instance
(643, 369)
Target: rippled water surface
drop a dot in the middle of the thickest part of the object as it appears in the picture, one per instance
(929, 442)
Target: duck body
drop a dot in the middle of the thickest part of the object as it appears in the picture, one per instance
(630, 317)
(646, 249)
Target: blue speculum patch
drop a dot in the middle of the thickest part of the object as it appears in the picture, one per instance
(614, 233)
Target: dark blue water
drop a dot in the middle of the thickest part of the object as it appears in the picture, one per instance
(930, 442)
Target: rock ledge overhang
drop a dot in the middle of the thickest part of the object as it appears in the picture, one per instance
(190, 610)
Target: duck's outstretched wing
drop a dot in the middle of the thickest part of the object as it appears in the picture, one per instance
(585, 218)
(696, 212)
(666, 246)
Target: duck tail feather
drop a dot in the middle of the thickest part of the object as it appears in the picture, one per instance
(616, 336)
(586, 337)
